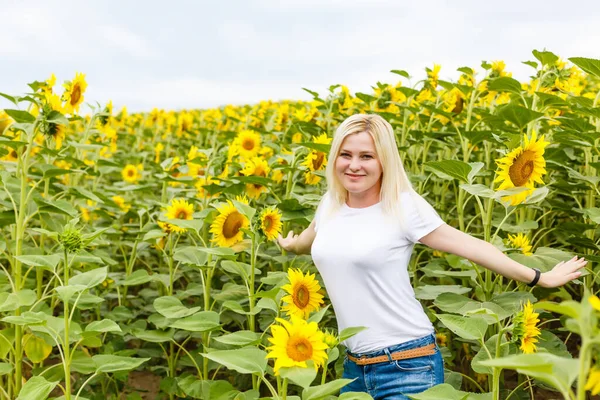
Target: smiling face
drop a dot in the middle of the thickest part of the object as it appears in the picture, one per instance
(358, 168)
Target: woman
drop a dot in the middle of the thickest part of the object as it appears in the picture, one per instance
(361, 241)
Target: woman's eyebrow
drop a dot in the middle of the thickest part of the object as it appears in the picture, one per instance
(362, 152)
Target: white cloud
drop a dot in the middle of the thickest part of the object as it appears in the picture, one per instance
(125, 40)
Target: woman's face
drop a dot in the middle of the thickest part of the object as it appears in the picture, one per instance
(357, 165)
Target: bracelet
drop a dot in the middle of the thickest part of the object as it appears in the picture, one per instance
(536, 279)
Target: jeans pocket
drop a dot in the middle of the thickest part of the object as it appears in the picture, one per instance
(417, 364)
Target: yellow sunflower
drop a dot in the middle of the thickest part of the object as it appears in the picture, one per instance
(296, 342)
(5, 121)
(203, 193)
(525, 328)
(315, 160)
(57, 132)
(132, 173)
(521, 242)
(522, 167)
(304, 296)
(270, 223)
(256, 166)
(120, 201)
(248, 144)
(73, 95)
(593, 382)
(595, 302)
(226, 228)
(178, 209)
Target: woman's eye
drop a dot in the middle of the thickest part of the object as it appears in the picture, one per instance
(345, 155)
(367, 156)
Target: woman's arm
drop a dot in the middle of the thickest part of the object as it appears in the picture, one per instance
(451, 240)
(299, 244)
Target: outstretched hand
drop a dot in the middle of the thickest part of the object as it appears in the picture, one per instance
(563, 272)
(287, 242)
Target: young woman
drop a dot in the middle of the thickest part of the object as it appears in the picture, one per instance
(361, 241)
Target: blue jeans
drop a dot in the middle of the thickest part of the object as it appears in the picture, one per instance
(393, 379)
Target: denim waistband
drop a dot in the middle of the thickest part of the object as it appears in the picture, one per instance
(411, 344)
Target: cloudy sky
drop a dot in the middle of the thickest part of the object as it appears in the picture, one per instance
(198, 54)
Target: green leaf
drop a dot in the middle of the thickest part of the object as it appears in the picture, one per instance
(401, 73)
(518, 115)
(558, 372)
(65, 293)
(138, 277)
(36, 388)
(111, 363)
(319, 392)
(318, 316)
(172, 307)
(478, 190)
(244, 361)
(569, 308)
(302, 377)
(589, 65)
(505, 84)
(454, 169)
(470, 328)
(155, 336)
(49, 261)
(239, 338)
(105, 325)
(447, 392)
(5, 368)
(452, 302)
(191, 255)
(545, 57)
(90, 278)
(56, 206)
(200, 322)
(483, 355)
(20, 116)
(347, 333)
(431, 292)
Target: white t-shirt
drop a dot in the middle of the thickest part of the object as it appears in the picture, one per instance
(363, 256)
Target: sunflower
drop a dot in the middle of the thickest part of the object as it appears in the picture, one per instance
(315, 161)
(522, 167)
(204, 181)
(178, 209)
(295, 343)
(593, 382)
(270, 223)
(248, 144)
(595, 302)
(226, 228)
(73, 95)
(521, 242)
(304, 296)
(131, 173)
(525, 328)
(5, 121)
(256, 166)
(120, 201)
(330, 339)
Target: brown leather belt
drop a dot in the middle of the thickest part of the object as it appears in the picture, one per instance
(398, 355)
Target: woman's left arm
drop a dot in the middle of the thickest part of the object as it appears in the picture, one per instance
(448, 239)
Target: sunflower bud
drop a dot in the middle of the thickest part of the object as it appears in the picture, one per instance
(71, 240)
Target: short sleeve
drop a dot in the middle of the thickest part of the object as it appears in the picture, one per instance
(420, 218)
(319, 213)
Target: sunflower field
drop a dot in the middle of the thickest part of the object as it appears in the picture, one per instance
(138, 254)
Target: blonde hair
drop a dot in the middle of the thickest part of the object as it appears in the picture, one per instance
(394, 179)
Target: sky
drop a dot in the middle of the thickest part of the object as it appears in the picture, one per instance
(202, 54)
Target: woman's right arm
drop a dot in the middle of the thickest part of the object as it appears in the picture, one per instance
(299, 244)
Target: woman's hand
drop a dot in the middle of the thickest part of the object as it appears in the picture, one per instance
(562, 272)
(287, 243)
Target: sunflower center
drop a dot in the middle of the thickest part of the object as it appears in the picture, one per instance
(232, 225)
(268, 223)
(299, 349)
(301, 297)
(182, 214)
(248, 144)
(130, 173)
(522, 168)
(76, 95)
(318, 162)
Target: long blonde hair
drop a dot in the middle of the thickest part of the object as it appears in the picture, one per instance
(394, 178)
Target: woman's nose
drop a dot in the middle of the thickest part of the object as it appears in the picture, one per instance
(354, 164)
